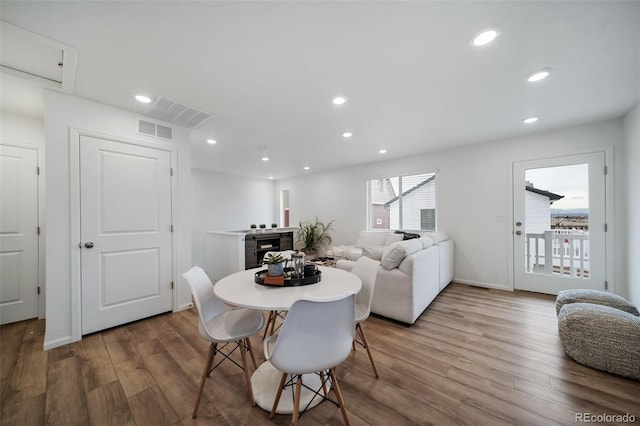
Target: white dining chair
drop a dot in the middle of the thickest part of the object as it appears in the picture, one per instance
(366, 269)
(316, 337)
(222, 325)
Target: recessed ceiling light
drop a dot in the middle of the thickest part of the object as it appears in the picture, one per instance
(539, 75)
(211, 141)
(382, 151)
(485, 37)
(530, 120)
(144, 99)
(347, 134)
(271, 177)
(339, 100)
(306, 167)
(265, 158)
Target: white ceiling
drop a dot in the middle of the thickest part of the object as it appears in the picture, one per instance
(267, 71)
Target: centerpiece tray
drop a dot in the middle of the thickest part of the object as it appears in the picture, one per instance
(288, 279)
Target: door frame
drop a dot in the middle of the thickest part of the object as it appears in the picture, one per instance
(609, 209)
(40, 197)
(74, 217)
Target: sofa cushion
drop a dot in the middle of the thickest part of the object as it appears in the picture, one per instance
(426, 241)
(371, 239)
(374, 253)
(406, 265)
(396, 252)
(393, 238)
(437, 236)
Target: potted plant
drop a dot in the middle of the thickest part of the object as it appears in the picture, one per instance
(262, 227)
(275, 264)
(253, 227)
(314, 236)
(274, 226)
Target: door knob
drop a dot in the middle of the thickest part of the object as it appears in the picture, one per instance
(518, 232)
(88, 244)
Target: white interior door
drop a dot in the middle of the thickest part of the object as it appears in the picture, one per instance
(125, 228)
(18, 234)
(559, 213)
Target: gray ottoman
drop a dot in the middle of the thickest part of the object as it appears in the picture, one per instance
(601, 337)
(595, 297)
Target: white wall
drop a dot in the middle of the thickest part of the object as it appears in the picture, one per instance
(223, 202)
(632, 224)
(25, 131)
(62, 114)
(473, 194)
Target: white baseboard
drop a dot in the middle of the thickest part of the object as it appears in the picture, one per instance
(481, 284)
(50, 344)
(184, 307)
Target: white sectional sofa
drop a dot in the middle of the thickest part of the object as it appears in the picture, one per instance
(411, 274)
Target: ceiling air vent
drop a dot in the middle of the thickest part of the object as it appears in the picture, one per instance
(153, 129)
(174, 112)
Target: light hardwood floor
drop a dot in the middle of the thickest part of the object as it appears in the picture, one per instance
(475, 357)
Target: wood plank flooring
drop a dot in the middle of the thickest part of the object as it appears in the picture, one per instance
(475, 357)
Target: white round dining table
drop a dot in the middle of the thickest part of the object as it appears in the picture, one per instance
(240, 289)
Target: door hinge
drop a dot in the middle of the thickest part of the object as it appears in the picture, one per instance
(606, 228)
(38, 171)
(171, 171)
(606, 285)
(38, 289)
(605, 170)
(38, 230)
(171, 285)
(171, 227)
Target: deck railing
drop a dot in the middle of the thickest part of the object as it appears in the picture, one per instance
(558, 252)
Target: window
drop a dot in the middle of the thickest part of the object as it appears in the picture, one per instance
(403, 202)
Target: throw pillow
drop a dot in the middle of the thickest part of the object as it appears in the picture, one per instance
(392, 238)
(371, 239)
(374, 253)
(408, 235)
(394, 254)
(406, 265)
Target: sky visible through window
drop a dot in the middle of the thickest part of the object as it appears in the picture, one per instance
(570, 181)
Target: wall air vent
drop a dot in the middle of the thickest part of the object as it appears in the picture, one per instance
(174, 112)
(153, 129)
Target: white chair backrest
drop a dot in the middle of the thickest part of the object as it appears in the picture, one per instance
(366, 269)
(316, 335)
(207, 303)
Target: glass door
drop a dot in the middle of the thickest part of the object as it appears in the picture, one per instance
(559, 223)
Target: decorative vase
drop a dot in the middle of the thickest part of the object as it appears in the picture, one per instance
(275, 269)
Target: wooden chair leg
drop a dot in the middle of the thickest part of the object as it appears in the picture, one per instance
(205, 374)
(277, 400)
(336, 388)
(266, 328)
(324, 384)
(253, 357)
(296, 402)
(366, 346)
(245, 367)
(273, 323)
